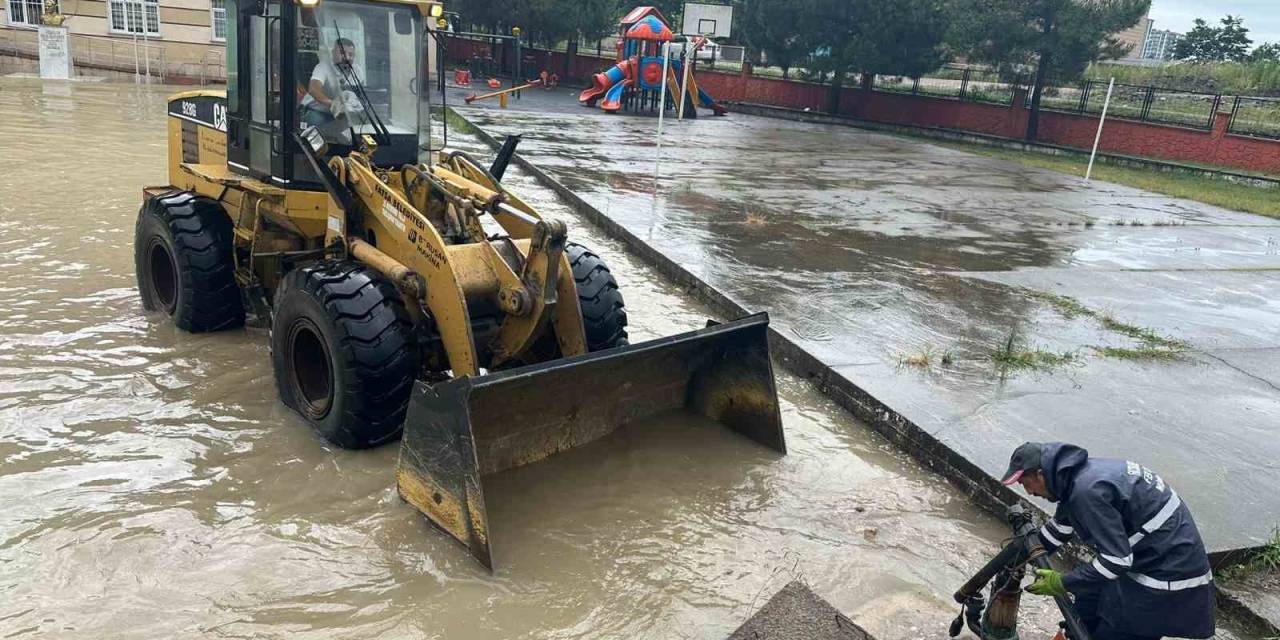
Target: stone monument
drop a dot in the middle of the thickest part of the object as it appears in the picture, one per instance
(55, 44)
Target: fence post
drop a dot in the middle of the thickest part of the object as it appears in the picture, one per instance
(1084, 97)
(964, 83)
(1146, 103)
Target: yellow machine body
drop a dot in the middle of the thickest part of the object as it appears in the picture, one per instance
(492, 296)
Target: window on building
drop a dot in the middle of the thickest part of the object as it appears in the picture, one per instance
(218, 20)
(26, 12)
(135, 16)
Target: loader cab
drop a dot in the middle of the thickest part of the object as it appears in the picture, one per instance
(366, 56)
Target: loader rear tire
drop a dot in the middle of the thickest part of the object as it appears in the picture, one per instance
(182, 258)
(604, 315)
(342, 349)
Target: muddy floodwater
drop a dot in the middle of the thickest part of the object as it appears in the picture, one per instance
(152, 485)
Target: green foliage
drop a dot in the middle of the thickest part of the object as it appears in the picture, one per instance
(777, 31)
(549, 21)
(1269, 52)
(1066, 35)
(902, 38)
(1215, 44)
(1229, 78)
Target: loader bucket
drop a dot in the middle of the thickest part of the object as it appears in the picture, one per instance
(459, 431)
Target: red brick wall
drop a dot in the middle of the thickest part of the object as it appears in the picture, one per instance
(779, 93)
(1127, 137)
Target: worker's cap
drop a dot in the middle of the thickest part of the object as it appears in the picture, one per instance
(1025, 458)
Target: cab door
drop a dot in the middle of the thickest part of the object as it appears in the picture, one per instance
(254, 122)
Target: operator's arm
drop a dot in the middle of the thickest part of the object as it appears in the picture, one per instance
(1095, 509)
(1057, 531)
(316, 89)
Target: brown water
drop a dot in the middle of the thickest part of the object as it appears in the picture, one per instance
(151, 485)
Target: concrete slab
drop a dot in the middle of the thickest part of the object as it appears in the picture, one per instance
(797, 612)
(877, 253)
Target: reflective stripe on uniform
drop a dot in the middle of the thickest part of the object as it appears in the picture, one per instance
(1044, 531)
(1061, 528)
(1106, 573)
(1171, 585)
(1159, 519)
(1126, 561)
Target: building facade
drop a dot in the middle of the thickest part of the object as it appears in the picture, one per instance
(1160, 44)
(1136, 38)
(168, 38)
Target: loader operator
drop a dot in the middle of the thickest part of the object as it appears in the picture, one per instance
(1150, 577)
(325, 99)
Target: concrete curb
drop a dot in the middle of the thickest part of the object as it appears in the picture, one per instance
(977, 485)
(956, 135)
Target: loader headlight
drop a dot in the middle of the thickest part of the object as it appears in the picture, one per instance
(308, 3)
(437, 10)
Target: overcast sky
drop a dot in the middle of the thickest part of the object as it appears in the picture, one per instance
(1262, 17)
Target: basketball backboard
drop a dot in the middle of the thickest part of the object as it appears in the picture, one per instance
(710, 20)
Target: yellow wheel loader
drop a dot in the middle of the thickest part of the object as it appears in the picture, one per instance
(403, 295)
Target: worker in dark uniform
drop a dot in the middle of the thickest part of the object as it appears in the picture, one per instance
(1150, 576)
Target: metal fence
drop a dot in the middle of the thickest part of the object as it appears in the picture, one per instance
(1258, 117)
(977, 85)
(1134, 102)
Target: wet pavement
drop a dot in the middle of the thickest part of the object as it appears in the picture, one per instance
(987, 302)
(152, 485)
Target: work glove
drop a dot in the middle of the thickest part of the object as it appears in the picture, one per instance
(1048, 583)
(336, 107)
(352, 102)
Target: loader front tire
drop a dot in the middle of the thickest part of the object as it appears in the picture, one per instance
(604, 315)
(342, 349)
(182, 258)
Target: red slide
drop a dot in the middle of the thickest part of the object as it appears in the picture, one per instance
(601, 83)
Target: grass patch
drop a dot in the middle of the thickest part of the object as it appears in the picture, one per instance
(1014, 355)
(1221, 193)
(1066, 305)
(1265, 560)
(1144, 352)
(1145, 335)
(1152, 345)
(925, 358)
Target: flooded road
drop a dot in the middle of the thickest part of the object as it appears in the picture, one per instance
(987, 302)
(151, 484)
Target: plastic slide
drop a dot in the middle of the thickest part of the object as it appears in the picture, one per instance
(704, 99)
(605, 85)
(697, 97)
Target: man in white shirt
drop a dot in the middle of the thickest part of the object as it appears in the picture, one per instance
(323, 102)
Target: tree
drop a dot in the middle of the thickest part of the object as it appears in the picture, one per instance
(898, 37)
(1269, 52)
(1058, 38)
(1229, 42)
(779, 31)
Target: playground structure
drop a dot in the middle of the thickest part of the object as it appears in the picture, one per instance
(636, 81)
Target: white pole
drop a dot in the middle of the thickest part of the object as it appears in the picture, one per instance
(684, 82)
(662, 108)
(146, 42)
(1098, 138)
